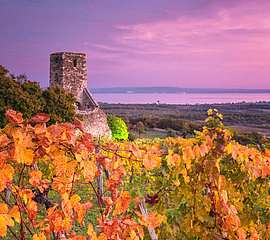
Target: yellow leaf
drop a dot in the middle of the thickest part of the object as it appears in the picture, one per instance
(210, 112)
(91, 232)
(102, 237)
(3, 227)
(3, 208)
(39, 236)
(75, 199)
(185, 175)
(5, 219)
(23, 155)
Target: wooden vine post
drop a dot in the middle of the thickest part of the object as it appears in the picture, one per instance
(144, 212)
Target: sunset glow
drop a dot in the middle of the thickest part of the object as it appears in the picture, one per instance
(192, 43)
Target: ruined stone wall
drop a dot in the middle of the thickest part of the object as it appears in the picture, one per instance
(95, 122)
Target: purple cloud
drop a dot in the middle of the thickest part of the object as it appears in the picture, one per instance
(195, 43)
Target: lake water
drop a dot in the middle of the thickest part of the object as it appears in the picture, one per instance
(181, 98)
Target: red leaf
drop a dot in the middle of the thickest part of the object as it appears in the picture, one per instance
(40, 118)
(88, 141)
(14, 117)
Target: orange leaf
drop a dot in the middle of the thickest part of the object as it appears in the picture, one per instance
(89, 169)
(265, 171)
(15, 213)
(35, 177)
(122, 203)
(6, 175)
(3, 140)
(25, 156)
(153, 220)
(174, 160)
(151, 161)
(241, 234)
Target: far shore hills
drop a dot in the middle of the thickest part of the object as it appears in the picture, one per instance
(175, 90)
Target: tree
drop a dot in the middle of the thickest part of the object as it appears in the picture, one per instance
(12, 95)
(118, 127)
(59, 104)
(28, 97)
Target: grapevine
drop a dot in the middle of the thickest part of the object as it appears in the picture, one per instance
(57, 182)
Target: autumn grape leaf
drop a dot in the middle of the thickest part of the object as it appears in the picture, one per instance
(152, 220)
(39, 236)
(122, 203)
(40, 118)
(173, 159)
(151, 161)
(14, 117)
(14, 212)
(4, 140)
(89, 169)
(24, 156)
(91, 232)
(5, 219)
(36, 180)
(6, 175)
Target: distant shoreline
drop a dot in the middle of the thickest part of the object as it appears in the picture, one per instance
(207, 105)
(175, 90)
(181, 98)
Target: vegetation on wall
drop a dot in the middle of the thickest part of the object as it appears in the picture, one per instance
(27, 97)
(118, 127)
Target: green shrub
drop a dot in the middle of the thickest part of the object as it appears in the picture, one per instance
(118, 127)
(29, 98)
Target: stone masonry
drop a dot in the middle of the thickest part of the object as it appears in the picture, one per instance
(69, 70)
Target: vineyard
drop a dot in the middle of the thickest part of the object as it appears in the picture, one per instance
(57, 182)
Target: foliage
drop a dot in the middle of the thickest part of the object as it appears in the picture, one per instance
(252, 139)
(28, 97)
(118, 127)
(206, 187)
(42, 172)
(209, 186)
(58, 104)
(181, 125)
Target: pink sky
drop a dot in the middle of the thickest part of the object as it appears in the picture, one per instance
(192, 43)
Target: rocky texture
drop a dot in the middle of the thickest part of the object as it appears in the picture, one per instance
(69, 70)
(95, 122)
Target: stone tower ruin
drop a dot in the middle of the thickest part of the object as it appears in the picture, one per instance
(69, 71)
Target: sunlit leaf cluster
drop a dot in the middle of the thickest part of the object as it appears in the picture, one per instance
(56, 182)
